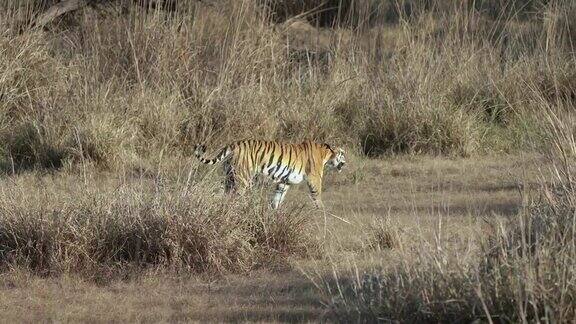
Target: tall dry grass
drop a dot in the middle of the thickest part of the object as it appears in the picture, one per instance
(520, 269)
(126, 87)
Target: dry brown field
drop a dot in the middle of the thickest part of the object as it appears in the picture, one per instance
(457, 203)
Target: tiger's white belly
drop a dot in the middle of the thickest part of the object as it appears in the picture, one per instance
(295, 178)
(279, 175)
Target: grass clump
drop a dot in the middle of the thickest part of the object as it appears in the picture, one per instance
(383, 236)
(27, 146)
(418, 131)
(530, 259)
(135, 227)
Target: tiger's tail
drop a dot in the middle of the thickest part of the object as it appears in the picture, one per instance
(199, 151)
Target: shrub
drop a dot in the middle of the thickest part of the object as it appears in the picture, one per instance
(28, 145)
(134, 228)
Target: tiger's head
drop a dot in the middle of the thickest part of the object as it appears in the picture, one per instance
(337, 159)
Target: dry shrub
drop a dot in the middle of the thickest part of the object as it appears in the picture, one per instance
(30, 119)
(414, 293)
(416, 131)
(423, 284)
(350, 13)
(523, 271)
(101, 138)
(30, 76)
(28, 145)
(383, 236)
(530, 258)
(94, 230)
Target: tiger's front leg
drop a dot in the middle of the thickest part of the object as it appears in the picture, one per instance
(315, 187)
(279, 194)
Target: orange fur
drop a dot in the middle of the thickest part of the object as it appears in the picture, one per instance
(285, 163)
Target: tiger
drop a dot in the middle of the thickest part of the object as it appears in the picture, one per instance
(285, 163)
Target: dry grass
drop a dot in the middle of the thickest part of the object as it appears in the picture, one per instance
(99, 112)
(136, 87)
(518, 269)
(405, 196)
(99, 229)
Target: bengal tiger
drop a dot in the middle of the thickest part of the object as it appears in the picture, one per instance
(286, 163)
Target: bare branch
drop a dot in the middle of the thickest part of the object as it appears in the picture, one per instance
(58, 10)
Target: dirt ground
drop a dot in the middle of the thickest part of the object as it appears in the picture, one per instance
(422, 196)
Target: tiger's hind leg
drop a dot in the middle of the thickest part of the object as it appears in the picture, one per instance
(230, 179)
(237, 181)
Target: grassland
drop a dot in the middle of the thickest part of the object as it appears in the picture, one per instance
(458, 203)
(424, 203)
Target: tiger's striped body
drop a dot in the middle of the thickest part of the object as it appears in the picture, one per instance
(285, 163)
